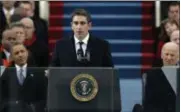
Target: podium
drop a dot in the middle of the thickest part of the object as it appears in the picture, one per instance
(83, 90)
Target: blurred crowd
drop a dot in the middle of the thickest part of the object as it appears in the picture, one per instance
(168, 31)
(19, 24)
(24, 44)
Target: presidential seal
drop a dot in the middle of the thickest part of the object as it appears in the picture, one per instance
(84, 87)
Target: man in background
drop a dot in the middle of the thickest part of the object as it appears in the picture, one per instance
(40, 24)
(160, 89)
(9, 39)
(23, 84)
(174, 11)
(175, 37)
(35, 46)
(6, 11)
(19, 30)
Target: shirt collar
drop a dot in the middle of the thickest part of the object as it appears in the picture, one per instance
(11, 11)
(85, 40)
(18, 67)
(6, 53)
(170, 73)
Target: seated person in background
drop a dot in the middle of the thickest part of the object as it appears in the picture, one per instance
(36, 47)
(175, 37)
(173, 15)
(40, 24)
(6, 11)
(173, 12)
(23, 84)
(160, 91)
(8, 39)
(166, 29)
(19, 30)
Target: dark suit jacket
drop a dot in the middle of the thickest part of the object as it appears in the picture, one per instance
(32, 92)
(159, 95)
(65, 54)
(39, 53)
(41, 29)
(3, 23)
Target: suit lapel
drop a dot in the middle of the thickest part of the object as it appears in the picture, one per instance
(14, 76)
(3, 55)
(3, 17)
(166, 82)
(27, 76)
(91, 48)
(3, 14)
(71, 47)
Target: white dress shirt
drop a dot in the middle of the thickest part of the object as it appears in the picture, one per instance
(6, 11)
(84, 45)
(2, 68)
(170, 73)
(18, 68)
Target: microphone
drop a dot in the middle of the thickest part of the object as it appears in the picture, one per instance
(87, 55)
(82, 57)
(79, 55)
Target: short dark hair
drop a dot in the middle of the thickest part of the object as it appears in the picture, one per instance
(173, 4)
(81, 12)
(16, 44)
(25, 2)
(17, 24)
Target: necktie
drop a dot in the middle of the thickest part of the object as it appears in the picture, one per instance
(80, 50)
(21, 77)
(8, 16)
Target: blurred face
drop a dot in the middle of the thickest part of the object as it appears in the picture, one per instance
(8, 4)
(20, 11)
(173, 13)
(27, 8)
(175, 37)
(29, 27)
(169, 27)
(80, 26)
(20, 34)
(170, 56)
(19, 55)
(9, 39)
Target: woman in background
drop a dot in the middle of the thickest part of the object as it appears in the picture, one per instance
(167, 28)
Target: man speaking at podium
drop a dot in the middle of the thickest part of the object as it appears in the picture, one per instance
(82, 49)
(83, 90)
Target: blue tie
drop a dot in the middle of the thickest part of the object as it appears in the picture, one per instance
(21, 77)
